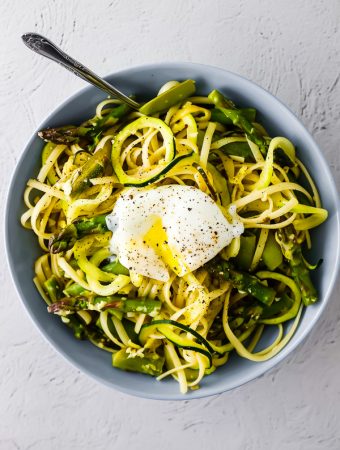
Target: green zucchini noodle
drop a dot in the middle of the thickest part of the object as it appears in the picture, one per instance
(187, 326)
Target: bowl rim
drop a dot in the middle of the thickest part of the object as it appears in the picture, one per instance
(176, 395)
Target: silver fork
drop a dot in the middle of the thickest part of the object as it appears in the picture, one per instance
(45, 47)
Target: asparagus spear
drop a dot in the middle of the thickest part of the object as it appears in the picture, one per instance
(301, 275)
(220, 101)
(239, 119)
(169, 98)
(94, 167)
(79, 228)
(116, 268)
(63, 240)
(242, 281)
(218, 116)
(89, 130)
(300, 272)
(64, 135)
(53, 288)
(69, 305)
(74, 289)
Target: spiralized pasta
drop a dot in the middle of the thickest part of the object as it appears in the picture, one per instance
(191, 323)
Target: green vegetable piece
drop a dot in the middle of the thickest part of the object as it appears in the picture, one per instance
(218, 116)
(253, 286)
(272, 254)
(220, 101)
(110, 119)
(94, 167)
(116, 268)
(141, 305)
(74, 289)
(169, 98)
(242, 281)
(115, 312)
(91, 130)
(239, 119)
(53, 288)
(241, 149)
(245, 256)
(67, 237)
(70, 305)
(278, 307)
(301, 276)
(64, 240)
(151, 363)
(300, 271)
(66, 135)
(91, 225)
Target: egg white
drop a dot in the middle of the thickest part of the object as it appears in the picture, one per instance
(193, 227)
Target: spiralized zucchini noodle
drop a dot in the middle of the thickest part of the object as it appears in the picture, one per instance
(186, 326)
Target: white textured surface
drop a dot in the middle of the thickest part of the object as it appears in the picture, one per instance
(291, 48)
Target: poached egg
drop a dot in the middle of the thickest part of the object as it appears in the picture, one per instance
(169, 228)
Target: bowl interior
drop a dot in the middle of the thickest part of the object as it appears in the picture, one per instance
(23, 249)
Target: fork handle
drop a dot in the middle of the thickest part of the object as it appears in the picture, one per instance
(45, 47)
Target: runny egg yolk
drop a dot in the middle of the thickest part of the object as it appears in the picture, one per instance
(157, 239)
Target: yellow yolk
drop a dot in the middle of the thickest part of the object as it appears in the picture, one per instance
(157, 239)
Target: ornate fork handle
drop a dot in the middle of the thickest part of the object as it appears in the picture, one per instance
(45, 47)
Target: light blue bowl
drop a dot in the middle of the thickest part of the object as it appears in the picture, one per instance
(144, 81)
